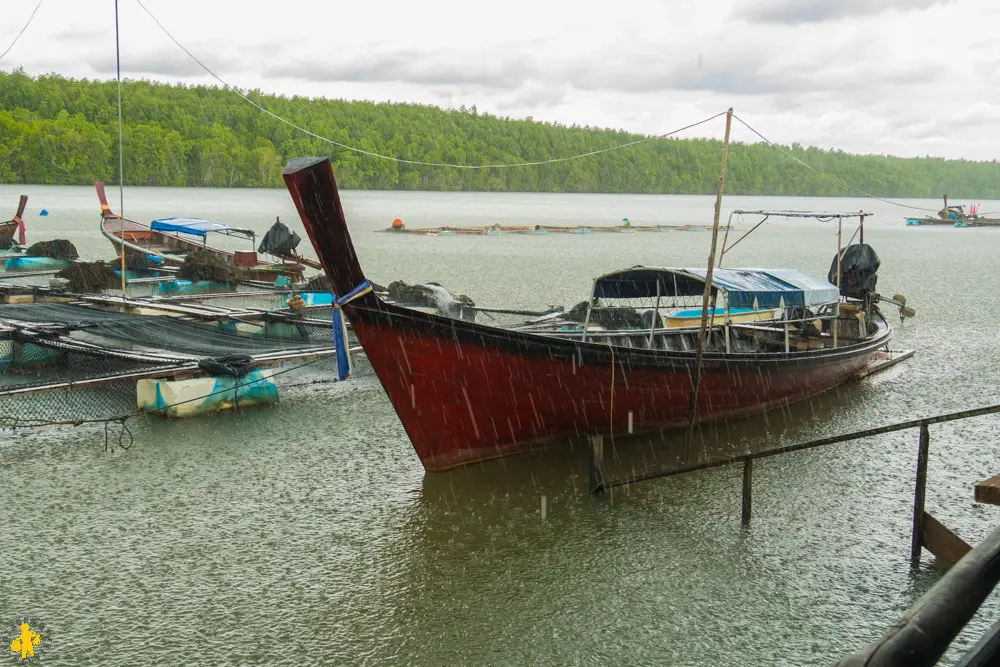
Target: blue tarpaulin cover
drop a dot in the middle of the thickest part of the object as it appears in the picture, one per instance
(746, 288)
(196, 227)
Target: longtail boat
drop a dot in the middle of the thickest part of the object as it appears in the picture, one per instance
(168, 242)
(955, 216)
(467, 392)
(14, 226)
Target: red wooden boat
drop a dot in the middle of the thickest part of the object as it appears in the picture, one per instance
(14, 226)
(170, 241)
(467, 392)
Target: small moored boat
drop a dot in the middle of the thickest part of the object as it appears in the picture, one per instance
(955, 216)
(14, 226)
(168, 241)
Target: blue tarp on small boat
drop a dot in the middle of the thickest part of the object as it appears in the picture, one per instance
(746, 288)
(197, 227)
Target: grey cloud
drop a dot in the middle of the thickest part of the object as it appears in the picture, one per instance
(82, 34)
(163, 62)
(794, 12)
(534, 96)
(412, 67)
(748, 73)
(537, 80)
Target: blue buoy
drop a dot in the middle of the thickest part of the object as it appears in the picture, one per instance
(43, 212)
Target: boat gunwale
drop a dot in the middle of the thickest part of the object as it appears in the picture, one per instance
(547, 345)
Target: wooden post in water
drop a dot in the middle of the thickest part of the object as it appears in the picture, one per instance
(917, 539)
(595, 473)
(747, 491)
(696, 380)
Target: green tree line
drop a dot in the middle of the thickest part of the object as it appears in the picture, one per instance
(58, 130)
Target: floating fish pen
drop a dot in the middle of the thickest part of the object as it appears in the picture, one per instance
(541, 230)
(955, 216)
(88, 360)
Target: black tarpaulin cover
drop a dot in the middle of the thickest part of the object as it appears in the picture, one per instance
(858, 270)
(279, 240)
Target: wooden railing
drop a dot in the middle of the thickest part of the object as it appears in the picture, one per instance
(924, 633)
(927, 531)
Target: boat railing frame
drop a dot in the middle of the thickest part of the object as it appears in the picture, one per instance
(826, 311)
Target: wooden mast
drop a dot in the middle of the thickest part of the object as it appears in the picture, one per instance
(702, 334)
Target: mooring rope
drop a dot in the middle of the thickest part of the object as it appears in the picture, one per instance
(18, 35)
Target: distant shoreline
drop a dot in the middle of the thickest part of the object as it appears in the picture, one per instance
(61, 131)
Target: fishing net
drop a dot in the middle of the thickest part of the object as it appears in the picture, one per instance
(138, 263)
(90, 277)
(56, 249)
(205, 265)
(318, 283)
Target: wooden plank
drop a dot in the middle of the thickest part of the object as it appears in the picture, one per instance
(206, 312)
(883, 361)
(988, 491)
(944, 544)
(919, 490)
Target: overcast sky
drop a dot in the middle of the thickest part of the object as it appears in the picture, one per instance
(905, 77)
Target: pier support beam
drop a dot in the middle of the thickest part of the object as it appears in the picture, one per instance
(919, 491)
(747, 491)
(596, 468)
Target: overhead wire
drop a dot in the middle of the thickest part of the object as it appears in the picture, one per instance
(18, 35)
(362, 151)
(832, 179)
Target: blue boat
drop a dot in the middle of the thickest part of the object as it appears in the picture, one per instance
(31, 263)
(314, 298)
(190, 287)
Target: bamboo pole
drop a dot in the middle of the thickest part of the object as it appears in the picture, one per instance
(696, 380)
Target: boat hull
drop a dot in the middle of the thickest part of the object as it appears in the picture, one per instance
(7, 231)
(466, 392)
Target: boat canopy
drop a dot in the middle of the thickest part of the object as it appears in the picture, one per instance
(198, 227)
(745, 288)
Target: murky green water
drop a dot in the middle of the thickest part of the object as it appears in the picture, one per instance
(308, 533)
